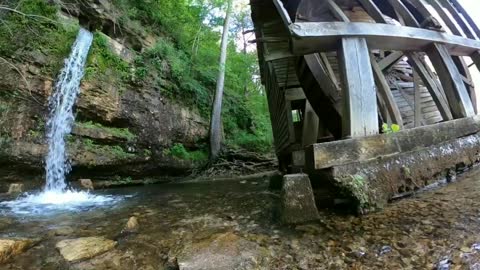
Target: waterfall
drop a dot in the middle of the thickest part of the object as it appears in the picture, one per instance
(61, 117)
(56, 196)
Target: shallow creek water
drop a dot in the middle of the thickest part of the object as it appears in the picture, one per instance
(232, 225)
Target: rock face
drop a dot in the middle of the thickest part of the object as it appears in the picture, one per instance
(84, 248)
(86, 183)
(15, 188)
(122, 127)
(297, 200)
(12, 247)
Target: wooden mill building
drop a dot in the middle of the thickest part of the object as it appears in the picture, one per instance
(373, 97)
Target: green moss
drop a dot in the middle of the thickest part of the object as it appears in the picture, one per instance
(117, 132)
(102, 62)
(113, 151)
(180, 152)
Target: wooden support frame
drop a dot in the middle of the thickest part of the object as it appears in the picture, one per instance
(360, 116)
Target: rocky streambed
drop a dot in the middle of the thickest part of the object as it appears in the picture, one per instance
(234, 225)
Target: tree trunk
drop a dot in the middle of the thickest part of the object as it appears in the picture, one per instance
(216, 120)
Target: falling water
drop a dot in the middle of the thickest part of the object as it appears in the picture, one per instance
(61, 118)
(56, 194)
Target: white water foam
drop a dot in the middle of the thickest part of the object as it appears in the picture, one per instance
(57, 195)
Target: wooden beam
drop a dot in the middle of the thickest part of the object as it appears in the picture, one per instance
(329, 69)
(373, 11)
(283, 12)
(404, 13)
(435, 90)
(455, 90)
(467, 17)
(312, 37)
(386, 94)
(337, 11)
(326, 155)
(310, 126)
(322, 94)
(390, 60)
(417, 101)
(359, 97)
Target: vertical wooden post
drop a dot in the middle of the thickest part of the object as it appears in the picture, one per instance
(359, 97)
(310, 126)
(417, 103)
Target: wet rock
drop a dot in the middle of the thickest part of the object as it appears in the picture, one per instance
(86, 183)
(297, 200)
(84, 248)
(14, 246)
(132, 225)
(172, 264)
(221, 251)
(15, 188)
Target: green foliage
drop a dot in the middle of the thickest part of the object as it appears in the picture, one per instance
(179, 151)
(101, 60)
(390, 129)
(117, 132)
(20, 34)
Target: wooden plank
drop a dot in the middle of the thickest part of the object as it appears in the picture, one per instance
(384, 90)
(390, 60)
(360, 103)
(310, 126)
(455, 90)
(312, 37)
(294, 94)
(326, 155)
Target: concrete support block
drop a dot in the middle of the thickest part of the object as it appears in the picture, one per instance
(297, 200)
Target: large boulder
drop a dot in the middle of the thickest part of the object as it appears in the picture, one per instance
(297, 200)
(84, 248)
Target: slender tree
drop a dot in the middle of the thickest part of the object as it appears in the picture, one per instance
(216, 119)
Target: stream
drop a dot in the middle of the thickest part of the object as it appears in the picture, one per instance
(233, 225)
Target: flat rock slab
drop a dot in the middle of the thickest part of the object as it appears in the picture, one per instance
(297, 199)
(84, 248)
(222, 251)
(14, 246)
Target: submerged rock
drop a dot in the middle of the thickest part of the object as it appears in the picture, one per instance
(222, 251)
(14, 246)
(15, 188)
(132, 225)
(84, 248)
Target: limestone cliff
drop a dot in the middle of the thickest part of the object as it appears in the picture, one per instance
(123, 128)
